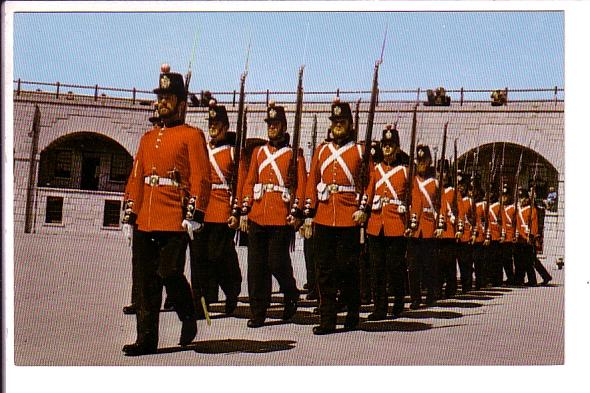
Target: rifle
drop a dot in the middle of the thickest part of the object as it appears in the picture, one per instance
(455, 205)
(314, 134)
(356, 120)
(500, 218)
(515, 195)
(366, 159)
(410, 179)
(240, 141)
(532, 198)
(489, 183)
(295, 145)
(187, 79)
(473, 201)
(440, 189)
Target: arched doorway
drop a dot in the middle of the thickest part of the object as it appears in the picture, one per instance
(85, 161)
(505, 158)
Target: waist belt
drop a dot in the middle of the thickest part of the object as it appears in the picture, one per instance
(219, 186)
(269, 187)
(335, 188)
(155, 180)
(261, 188)
(390, 201)
(428, 210)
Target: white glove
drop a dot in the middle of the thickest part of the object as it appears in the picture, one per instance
(191, 227)
(359, 217)
(438, 233)
(401, 209)
(306, 229)
(244, 224)
(452, 219)
(127, 232)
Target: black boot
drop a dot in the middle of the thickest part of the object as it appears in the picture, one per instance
(188, 331)
(137, 349)
(130, 309)
(290, 309)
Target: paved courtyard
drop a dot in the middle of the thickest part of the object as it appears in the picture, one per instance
(69, 293)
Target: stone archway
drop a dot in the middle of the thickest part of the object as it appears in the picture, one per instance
(85, 161)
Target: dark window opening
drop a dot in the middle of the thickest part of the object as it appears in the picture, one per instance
(112, 211)
(120, 167)
(63, 164)
(54, 210)
(90, 172)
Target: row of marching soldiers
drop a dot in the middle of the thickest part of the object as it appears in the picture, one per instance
(411, 248)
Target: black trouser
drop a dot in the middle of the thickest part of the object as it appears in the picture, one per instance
(524, 263)
(494, 264)
(421, 269)
(465, 256)
(268, 256)
(506, 251)
(160, 262)
(479, 265)
(388, 263)
(134, 277)
(365, 274)
(310, 267)
(541, 269)
(337, 263)
(214, 261)
(447, 271)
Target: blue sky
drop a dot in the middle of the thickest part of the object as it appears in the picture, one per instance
(475, 50)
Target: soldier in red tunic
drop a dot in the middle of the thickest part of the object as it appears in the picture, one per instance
(213, 254)
(507, 235)
(478, 234)
(420, 251)
(166, 196)
(385, 229)
(271, 220)
(333, 202)
(463, 235)
(447, 244)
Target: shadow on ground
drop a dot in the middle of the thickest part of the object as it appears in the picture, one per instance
(233, 346)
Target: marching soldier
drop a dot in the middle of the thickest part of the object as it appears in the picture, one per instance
(507, 236)
(463, 235)
(385, 229)
(270, 220)
(167, 193)
(447, 245)
(213, 253)
(332, 201)
(526, 231)
(494, 261)
(420, 230)
(478, 234)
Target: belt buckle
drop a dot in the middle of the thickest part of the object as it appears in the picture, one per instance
(333, 188)
(154, 180)
(269, 187)
(385, 200)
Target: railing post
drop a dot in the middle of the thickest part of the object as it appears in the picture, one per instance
(57, 90)
(506, 92)
(18, 87)
(267, 96)
(462, 96)
(134, 91)
(338, 93)
(555, 96)
(96, 93)
(418, 95)
(234, 99)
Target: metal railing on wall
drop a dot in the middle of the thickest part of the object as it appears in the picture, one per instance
(145, 97)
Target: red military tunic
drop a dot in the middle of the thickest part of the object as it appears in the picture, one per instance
(386, 192)
(266, 190)
(332, 182)
(464, 213)
(221, 159)
(495, 229)
(523, 218)
(507, 224)
(423, 194)
(480, 213)
(446, 209)
(174, 159)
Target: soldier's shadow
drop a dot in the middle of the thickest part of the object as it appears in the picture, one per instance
(457, 304)
(394, 326)
(233, 346)
(432, 314)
